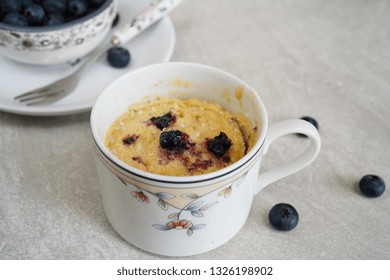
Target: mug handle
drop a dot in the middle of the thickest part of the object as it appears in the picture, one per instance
(283, 128)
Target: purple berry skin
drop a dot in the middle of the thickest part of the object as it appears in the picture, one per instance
(53, 19)
(173, 140)
(118, 57)
(77, 8)
(15, 19)
(10, 6)
(219, 145)
(54, 6)
(372, 185)
(310, 120)
(163, 121)
(283, 217)
(34, 14)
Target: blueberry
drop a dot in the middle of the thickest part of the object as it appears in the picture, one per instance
(15, 19)
(129, 139)
(77, 8)
(283, 217)
(372, 185)
(118, 57)
(95, 3)
(54, 6)
(163, 121)
(34, 14)
(310, 120)
(37, 11)
(53, 19)
(26, 3)
(10, 6)
(219, 145)
(173, 140)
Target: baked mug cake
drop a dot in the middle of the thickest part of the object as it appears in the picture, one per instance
(178, 150)
(180, 137)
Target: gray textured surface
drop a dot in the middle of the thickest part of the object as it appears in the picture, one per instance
(328, 59)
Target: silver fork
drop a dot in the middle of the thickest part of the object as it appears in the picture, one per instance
(59, 88)
(64, 86)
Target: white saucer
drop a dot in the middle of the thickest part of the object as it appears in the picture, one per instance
(154, 45)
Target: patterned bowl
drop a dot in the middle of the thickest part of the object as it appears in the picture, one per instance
(45, 45)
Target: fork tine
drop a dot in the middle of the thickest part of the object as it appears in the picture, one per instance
(34, 94)
(40, 90)
(47, 98)
(51, 92)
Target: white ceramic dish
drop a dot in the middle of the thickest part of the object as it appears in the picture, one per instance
(48, 45)
(17, 78)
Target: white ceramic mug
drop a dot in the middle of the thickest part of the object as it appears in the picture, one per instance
(182, 216)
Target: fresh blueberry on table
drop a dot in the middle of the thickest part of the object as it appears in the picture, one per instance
(310, 120)
(34, 14)
(283, 217)
(118, 57)
(372, 185)
(15, 19)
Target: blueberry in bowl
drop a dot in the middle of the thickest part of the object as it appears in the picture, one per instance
(53, 31)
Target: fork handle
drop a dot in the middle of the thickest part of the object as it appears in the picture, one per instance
(154, 12)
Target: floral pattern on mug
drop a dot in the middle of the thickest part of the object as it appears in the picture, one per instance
(182, 224)
(140, 196)
(226, 192)
(195, 208)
